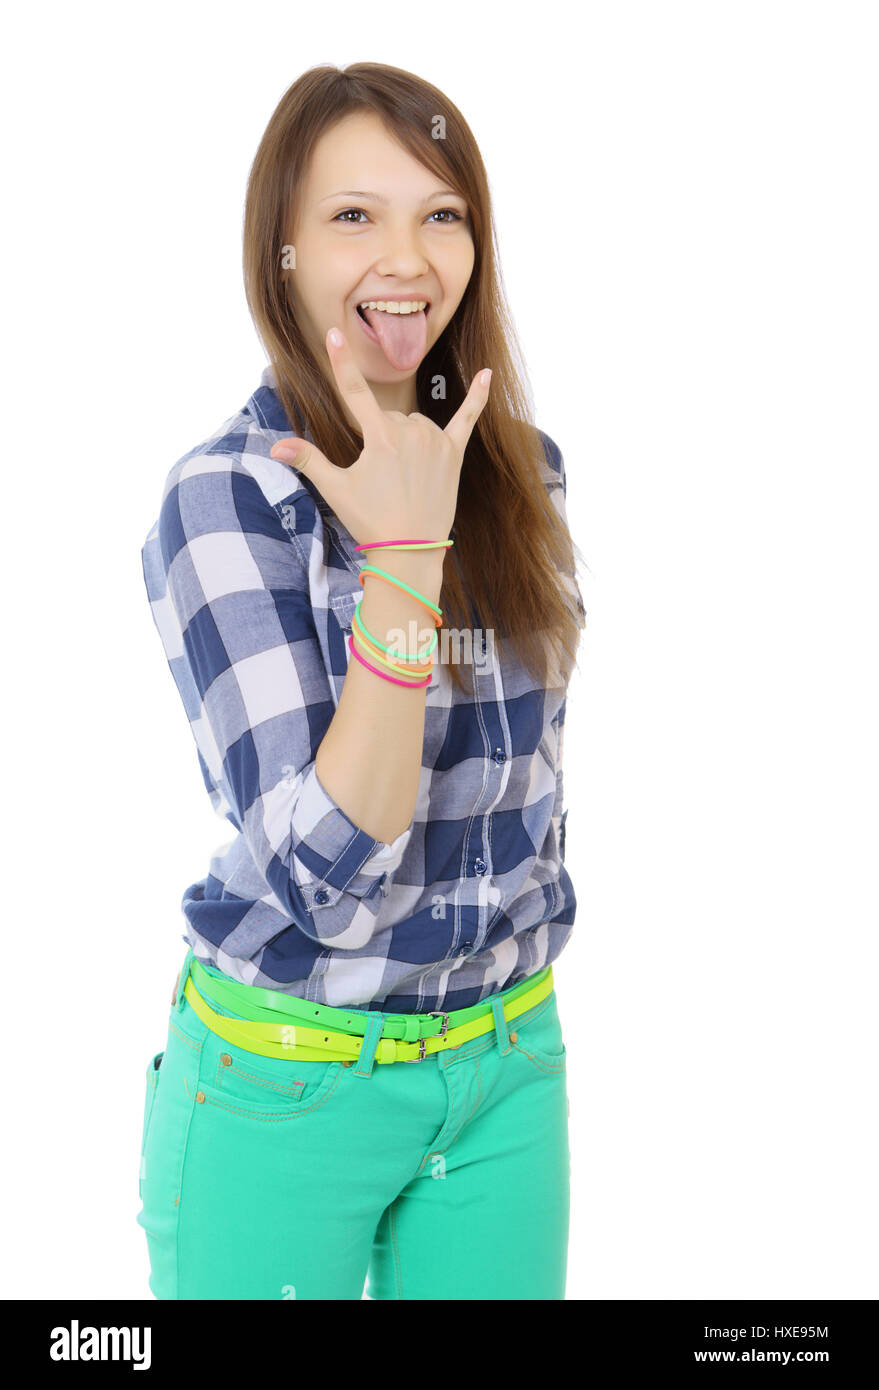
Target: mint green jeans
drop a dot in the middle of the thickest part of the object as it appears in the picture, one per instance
(446, 1178)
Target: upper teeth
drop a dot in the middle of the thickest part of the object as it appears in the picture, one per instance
(395, 306)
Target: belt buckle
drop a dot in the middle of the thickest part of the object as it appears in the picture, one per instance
(422, 1042)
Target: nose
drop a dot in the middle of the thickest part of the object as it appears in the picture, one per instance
(401, 254)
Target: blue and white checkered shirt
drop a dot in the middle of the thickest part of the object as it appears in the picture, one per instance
(253, 580)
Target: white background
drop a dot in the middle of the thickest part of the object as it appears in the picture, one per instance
(686, 202)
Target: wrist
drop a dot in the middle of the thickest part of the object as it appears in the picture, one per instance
(415, 567)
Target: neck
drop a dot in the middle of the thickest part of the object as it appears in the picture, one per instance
(396, 395)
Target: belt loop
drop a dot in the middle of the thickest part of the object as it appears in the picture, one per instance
(411, 1028)
(374, 1031)
(500, 1025)
(178, 999)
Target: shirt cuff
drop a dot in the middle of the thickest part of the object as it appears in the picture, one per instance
(332, 855)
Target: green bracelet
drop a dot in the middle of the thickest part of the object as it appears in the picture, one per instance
(373, 569)
(358, 622)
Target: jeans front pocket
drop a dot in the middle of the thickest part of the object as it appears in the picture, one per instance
(248, 1082)
(539, 1038)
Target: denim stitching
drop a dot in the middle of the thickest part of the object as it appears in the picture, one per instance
(476, 1106)
(242, 1107)
(293, 1089)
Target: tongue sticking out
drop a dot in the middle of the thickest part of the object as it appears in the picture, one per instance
(403, 337)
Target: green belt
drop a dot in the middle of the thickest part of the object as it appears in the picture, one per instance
(339, 1033)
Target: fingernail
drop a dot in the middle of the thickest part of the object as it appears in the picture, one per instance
(284, 452)
(336, 338)
(485, 378)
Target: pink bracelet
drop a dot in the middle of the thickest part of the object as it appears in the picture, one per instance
(371, 545)
(411, 685)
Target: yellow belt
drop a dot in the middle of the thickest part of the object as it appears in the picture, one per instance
(305, 1044)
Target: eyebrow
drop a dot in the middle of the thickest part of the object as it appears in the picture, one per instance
(377, 197)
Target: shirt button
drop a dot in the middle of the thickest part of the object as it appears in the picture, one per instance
(321, 896)
(462, 950)
(480, 866)
(499, 755)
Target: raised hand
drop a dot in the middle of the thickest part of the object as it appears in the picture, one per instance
(405, 481)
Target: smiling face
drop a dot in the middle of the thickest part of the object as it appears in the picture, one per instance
(405, 236)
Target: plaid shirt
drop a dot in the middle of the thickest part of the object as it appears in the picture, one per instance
(252, 582)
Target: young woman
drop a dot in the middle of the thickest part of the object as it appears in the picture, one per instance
(365, 587)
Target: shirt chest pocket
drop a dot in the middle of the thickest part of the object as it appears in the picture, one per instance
(342, 606)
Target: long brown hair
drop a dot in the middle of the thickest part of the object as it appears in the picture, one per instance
(504, 572)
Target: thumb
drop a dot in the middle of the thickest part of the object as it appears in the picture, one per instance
(289, 450)
(307, 458)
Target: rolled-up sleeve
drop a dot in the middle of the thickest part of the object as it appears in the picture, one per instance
(237, 621)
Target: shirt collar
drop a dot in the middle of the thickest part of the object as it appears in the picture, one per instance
(268, 407)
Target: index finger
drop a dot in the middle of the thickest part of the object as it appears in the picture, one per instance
(460, 427)
(353, 385)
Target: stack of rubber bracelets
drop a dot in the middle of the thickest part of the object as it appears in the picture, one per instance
(421, 663)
